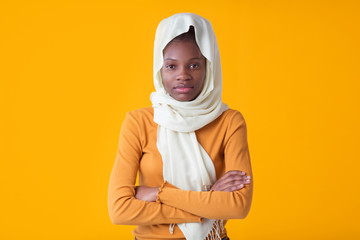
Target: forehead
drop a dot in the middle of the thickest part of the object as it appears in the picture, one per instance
(182, 49)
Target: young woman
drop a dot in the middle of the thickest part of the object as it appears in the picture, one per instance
(189, 149)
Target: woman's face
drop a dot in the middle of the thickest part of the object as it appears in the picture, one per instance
(184, 69)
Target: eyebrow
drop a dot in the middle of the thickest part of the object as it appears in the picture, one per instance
(172, 59)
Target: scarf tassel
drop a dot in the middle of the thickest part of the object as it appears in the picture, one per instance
(217, 229)
(171, 228)
(214, 234)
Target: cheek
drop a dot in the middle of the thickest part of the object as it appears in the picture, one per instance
(163, 77)
(165, 80)
(202, 77)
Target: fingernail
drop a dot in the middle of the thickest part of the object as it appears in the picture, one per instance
(248, 177)
(247, 180)
(241, 185)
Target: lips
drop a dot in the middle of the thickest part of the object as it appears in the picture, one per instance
(183, 88)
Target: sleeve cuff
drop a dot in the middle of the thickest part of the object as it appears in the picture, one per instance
(163, 187)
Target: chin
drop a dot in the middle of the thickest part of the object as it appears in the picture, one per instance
(183, 99)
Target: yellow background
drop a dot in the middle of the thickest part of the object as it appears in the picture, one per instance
(70, 70)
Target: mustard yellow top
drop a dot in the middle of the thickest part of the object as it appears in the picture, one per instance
(225, 141)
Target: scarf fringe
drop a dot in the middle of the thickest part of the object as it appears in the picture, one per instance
(216, 231)
(214, 234)
(171, 228)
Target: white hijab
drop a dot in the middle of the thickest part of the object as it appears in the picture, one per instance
(185, 163)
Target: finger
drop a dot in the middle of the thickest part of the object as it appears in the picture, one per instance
(234, 188)
(235, 178)
(236, 182)
(235, 172)
(228, 178)
(231, 178)
(222, 187)
(247, 180)
(232, 174)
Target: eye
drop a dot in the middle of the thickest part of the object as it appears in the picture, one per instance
(170, 66)
(194, 65)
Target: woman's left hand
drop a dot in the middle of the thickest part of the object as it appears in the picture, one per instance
(148, 194)
(231, 181)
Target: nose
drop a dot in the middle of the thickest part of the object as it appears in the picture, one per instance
(183, 74)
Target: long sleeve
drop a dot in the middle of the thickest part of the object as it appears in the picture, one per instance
(217, 204)
(123, 207)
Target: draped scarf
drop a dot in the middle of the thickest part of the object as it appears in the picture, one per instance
(186, 164)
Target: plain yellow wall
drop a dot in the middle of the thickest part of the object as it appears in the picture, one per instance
(70, 70)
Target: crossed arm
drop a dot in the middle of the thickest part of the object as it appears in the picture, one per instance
(229, 182)
(230, 197)
(225, 200)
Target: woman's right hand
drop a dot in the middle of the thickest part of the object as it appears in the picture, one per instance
(148, 194)
(231, 181)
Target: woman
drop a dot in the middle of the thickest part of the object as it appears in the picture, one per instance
(189, 149)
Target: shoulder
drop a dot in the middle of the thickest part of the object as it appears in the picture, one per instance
(231, 117)
(141, 113)
(141, 118)
(234, 128)
(137, 122)
(226, 123)
(233, 123)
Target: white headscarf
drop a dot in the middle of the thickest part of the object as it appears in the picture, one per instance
(185, 163)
